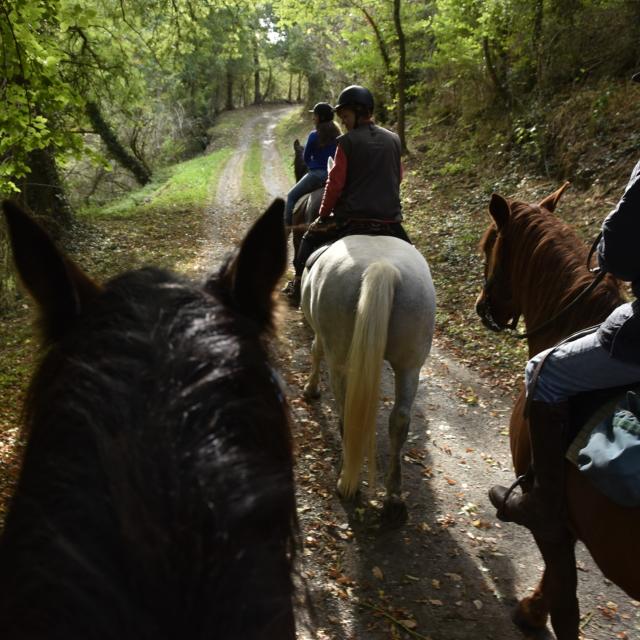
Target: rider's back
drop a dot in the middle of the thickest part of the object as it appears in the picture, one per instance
(372, 187)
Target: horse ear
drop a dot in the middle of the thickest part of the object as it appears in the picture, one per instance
(260, 262)
(58, 286)
(550, 202)
(296, 145)
(500, 211)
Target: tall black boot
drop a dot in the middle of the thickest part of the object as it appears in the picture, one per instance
(542, 509)
(292, 292)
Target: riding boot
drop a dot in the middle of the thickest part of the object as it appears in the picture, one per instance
(287, 290)
(542, 508)
(292, 292)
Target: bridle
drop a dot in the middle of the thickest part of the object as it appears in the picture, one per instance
(490, 281)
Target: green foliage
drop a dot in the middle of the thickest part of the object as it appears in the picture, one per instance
(35, 99)
(186, 186)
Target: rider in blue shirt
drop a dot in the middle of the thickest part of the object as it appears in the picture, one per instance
(321, 145)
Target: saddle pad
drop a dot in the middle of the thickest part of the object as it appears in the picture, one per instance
(316, 254)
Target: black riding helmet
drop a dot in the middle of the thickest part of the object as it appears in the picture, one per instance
(355, 95)
(324, 111)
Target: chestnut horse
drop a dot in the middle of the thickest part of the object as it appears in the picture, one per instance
(156, 496)
(534, 267)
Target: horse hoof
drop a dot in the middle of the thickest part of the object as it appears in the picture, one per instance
(394, 512)
(528, 617)
(310, 393)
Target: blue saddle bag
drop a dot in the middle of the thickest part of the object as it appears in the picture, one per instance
(611, 456)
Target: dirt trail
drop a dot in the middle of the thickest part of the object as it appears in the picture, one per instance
(452, 572)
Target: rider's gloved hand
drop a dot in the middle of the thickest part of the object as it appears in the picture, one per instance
(319, 222)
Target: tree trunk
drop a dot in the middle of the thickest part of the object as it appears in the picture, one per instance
(299, 98)
(493, 74)
(267, 90)
(315, 82)
(402, 73)
(257, 98)
(290, 92)
(42, 192)
(378, 34)
(536, 43)
(115, 147)
(229, 105)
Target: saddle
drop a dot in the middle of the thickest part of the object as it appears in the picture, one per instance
(338, 230)
(605, 442)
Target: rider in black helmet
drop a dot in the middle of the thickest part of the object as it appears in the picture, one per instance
(363, 188)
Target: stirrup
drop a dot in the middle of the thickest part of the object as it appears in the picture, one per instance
(518, 482)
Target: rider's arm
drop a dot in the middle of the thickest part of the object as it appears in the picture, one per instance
(309, 147)
(617, 251)
(335, 183)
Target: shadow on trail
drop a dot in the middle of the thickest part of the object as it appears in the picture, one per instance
(366, 578)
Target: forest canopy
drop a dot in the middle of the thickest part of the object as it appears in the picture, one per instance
(94, 85)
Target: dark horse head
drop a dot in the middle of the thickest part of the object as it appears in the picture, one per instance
(299, 165)
(308, 206)
(156, 497)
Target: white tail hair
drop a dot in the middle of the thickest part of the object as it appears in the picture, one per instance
(364, 367)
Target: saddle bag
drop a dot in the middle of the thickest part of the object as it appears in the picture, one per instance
(609, 454)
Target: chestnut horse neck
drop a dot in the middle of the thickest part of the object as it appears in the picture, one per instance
(547, 263)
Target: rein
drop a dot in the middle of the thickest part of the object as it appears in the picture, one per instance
(599, 275)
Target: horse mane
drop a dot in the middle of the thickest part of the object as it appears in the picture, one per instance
(156, 495)
(547, 262)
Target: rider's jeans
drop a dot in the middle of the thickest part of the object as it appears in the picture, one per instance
(309, 182)
(574, 367)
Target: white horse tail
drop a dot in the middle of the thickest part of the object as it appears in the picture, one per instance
(363, 371)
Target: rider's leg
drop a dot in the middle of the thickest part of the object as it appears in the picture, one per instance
(399, 232)
(578, 366)
(309, 182)
(310, 242)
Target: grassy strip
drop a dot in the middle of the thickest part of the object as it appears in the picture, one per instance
(185, 185)
(252, 186)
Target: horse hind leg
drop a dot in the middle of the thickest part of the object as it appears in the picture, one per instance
(406, 386)
(556, 594)
(311, 390)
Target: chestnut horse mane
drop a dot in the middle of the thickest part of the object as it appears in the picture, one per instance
(547, 262)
